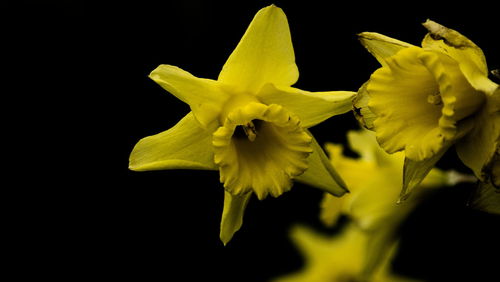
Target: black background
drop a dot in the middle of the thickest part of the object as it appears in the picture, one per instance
(80, 70)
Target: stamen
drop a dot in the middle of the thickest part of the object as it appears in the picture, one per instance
(250, 131)
(435, 99)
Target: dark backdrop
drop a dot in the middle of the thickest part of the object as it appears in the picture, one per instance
(96, 219)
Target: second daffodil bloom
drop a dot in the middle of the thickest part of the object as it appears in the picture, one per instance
(249, 124)
(425, 99)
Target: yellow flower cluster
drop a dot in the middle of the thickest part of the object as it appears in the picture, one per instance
(251, 125)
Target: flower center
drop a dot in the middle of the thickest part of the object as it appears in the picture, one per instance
(260, 149)
(248, 130)
(435, 99)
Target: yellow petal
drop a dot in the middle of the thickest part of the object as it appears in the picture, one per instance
(364, 143)
(376, 198)
(232, 215)
(345, 250)
(419, 100)
(374, 189)
(333, 258)
(477, 148)
(321, 174)
(353, 171)
(469, 56)
(381, 46)
(371, 180)
(330, 209)
(415, 171)
(184, 146)
(264, 54)
(260, 148)
(310, 107)
(204, 96)
(344, 256)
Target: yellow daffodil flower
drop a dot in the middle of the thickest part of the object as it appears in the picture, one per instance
(249, 124)
(425, 99)
(374, 182)
(337, 258)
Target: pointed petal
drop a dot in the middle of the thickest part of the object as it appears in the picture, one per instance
(477, 148)
(321, 173)
(469, 56)
(415, 171)
(360, 107)
(204, 96)
(184, 146)
(264, 54)
(331, 208)
(310, 107)
(381, 46)
(232, 215)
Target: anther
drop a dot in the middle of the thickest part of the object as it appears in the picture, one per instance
(435, 99)
(250, 131)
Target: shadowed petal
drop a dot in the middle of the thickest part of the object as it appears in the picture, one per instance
(478, 147)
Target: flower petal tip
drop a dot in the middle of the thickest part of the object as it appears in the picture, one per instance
(224, 240)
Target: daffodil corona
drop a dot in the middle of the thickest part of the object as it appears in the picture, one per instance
(260, 148)
(421, 100)
(249, 124)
